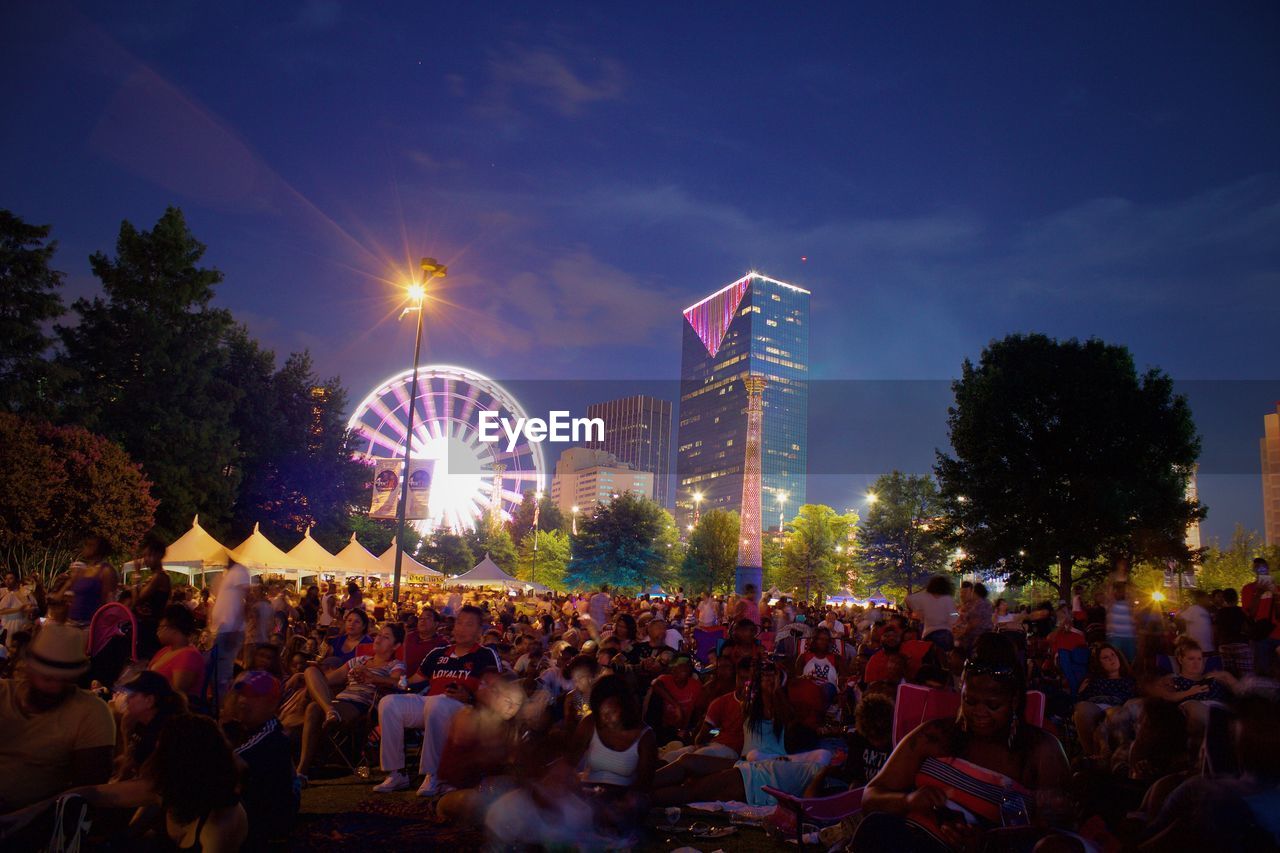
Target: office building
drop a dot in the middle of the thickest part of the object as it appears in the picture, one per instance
(759, 326)
(1270, 447)
(586, 477)
(637, 430)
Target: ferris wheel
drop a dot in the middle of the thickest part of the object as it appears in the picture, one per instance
(470, 477)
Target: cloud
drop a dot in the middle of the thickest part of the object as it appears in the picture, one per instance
(551, 79)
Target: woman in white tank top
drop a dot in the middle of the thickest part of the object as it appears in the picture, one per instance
(615, 749)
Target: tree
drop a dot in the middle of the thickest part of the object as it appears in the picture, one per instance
(446, 551)
(1064, 457)
(810, 560)
(900, 542)
(29, 299)
(621, 543)
(297, 465)
(148, 369)
(712, 556)
(377, 534)
(1232, 567)
(58, 484)
(492, 538)
(552, 558)
(549, 516)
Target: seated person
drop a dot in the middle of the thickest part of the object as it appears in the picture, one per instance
(58, 734)
(177, 659)
(672, 700)
(822, 663)
(191, 777)
(482, 745)
(867, 744)
(950, 781)
(615, 752)
(1229, 813)
(364, 676)
(1109, 684)
(1192, 688)
(148, 702)
(583, 672)
(337, 650)
(893, 640)
(268, 794)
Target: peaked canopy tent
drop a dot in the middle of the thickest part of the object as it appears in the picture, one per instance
(360, 561)
(843, 597)
(487, 573)
(408, 565)
(259, 555)
(315, 560)
(194, 554)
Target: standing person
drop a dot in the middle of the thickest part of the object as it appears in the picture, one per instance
(1231, 634)
(451, 674)
(92, 582)
(153, 597)
(1197, 623)
(1258, 599)
(934, 606)
(749, 605)
(354, 599)
(329, 607)
(600, 606)
(227, 620)
(1121, 631)
(309, 607)
(975, 620)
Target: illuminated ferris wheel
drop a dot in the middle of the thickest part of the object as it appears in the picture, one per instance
(470, 477)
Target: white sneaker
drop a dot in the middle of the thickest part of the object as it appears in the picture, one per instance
(429, 787)
(396, 781)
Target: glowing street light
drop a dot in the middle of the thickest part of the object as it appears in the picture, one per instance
(575, 519)
(417, 294)
(697, 504)
(1157, 596)
(872, 497)
(782, 502)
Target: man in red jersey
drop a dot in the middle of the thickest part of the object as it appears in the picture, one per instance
(451, 674)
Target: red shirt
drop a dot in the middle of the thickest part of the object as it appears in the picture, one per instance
(725, 713)
(1258, 606)
(913, 650)
(416, 648)
(1060, 641)
(684, 698)
(169, 662)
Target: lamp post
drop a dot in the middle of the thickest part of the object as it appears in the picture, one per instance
(782, 502)
(431, 268)
(537, 505)
(697, 504)
(575, 519)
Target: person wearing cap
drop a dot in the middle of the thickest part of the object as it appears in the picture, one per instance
(58, 734)
(147, 701)
(268, 794)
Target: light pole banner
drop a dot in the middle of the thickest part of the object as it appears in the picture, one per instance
(386, 488)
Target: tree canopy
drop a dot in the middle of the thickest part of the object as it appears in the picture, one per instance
(712, 555)
(29, 300)
(1063, 457)
(810, 559)
(549, 563)
(900, 542)
(622, 543)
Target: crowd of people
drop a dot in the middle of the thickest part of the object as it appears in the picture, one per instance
(1103, 723)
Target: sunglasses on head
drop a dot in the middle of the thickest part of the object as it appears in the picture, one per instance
(997, 671)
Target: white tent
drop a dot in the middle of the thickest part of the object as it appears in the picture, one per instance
(842, 597)
(360, 561)
(193, 554)
(314, 560)
(408, 565)
(655, 591)
(259, 555)
(487, 573)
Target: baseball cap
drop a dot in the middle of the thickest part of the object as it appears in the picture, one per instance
(256, 683)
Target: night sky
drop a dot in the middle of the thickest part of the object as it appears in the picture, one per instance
(937, 174)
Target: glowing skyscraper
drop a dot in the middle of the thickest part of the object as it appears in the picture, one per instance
(755, 326)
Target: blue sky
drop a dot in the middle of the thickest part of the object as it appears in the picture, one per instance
(949, 174)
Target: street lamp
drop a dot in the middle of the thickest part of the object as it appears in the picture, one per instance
(782, 502)
(417, 295)
(872, 497)
(575, 519)
(697, 504)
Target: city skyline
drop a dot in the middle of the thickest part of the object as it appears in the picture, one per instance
(942, 177)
